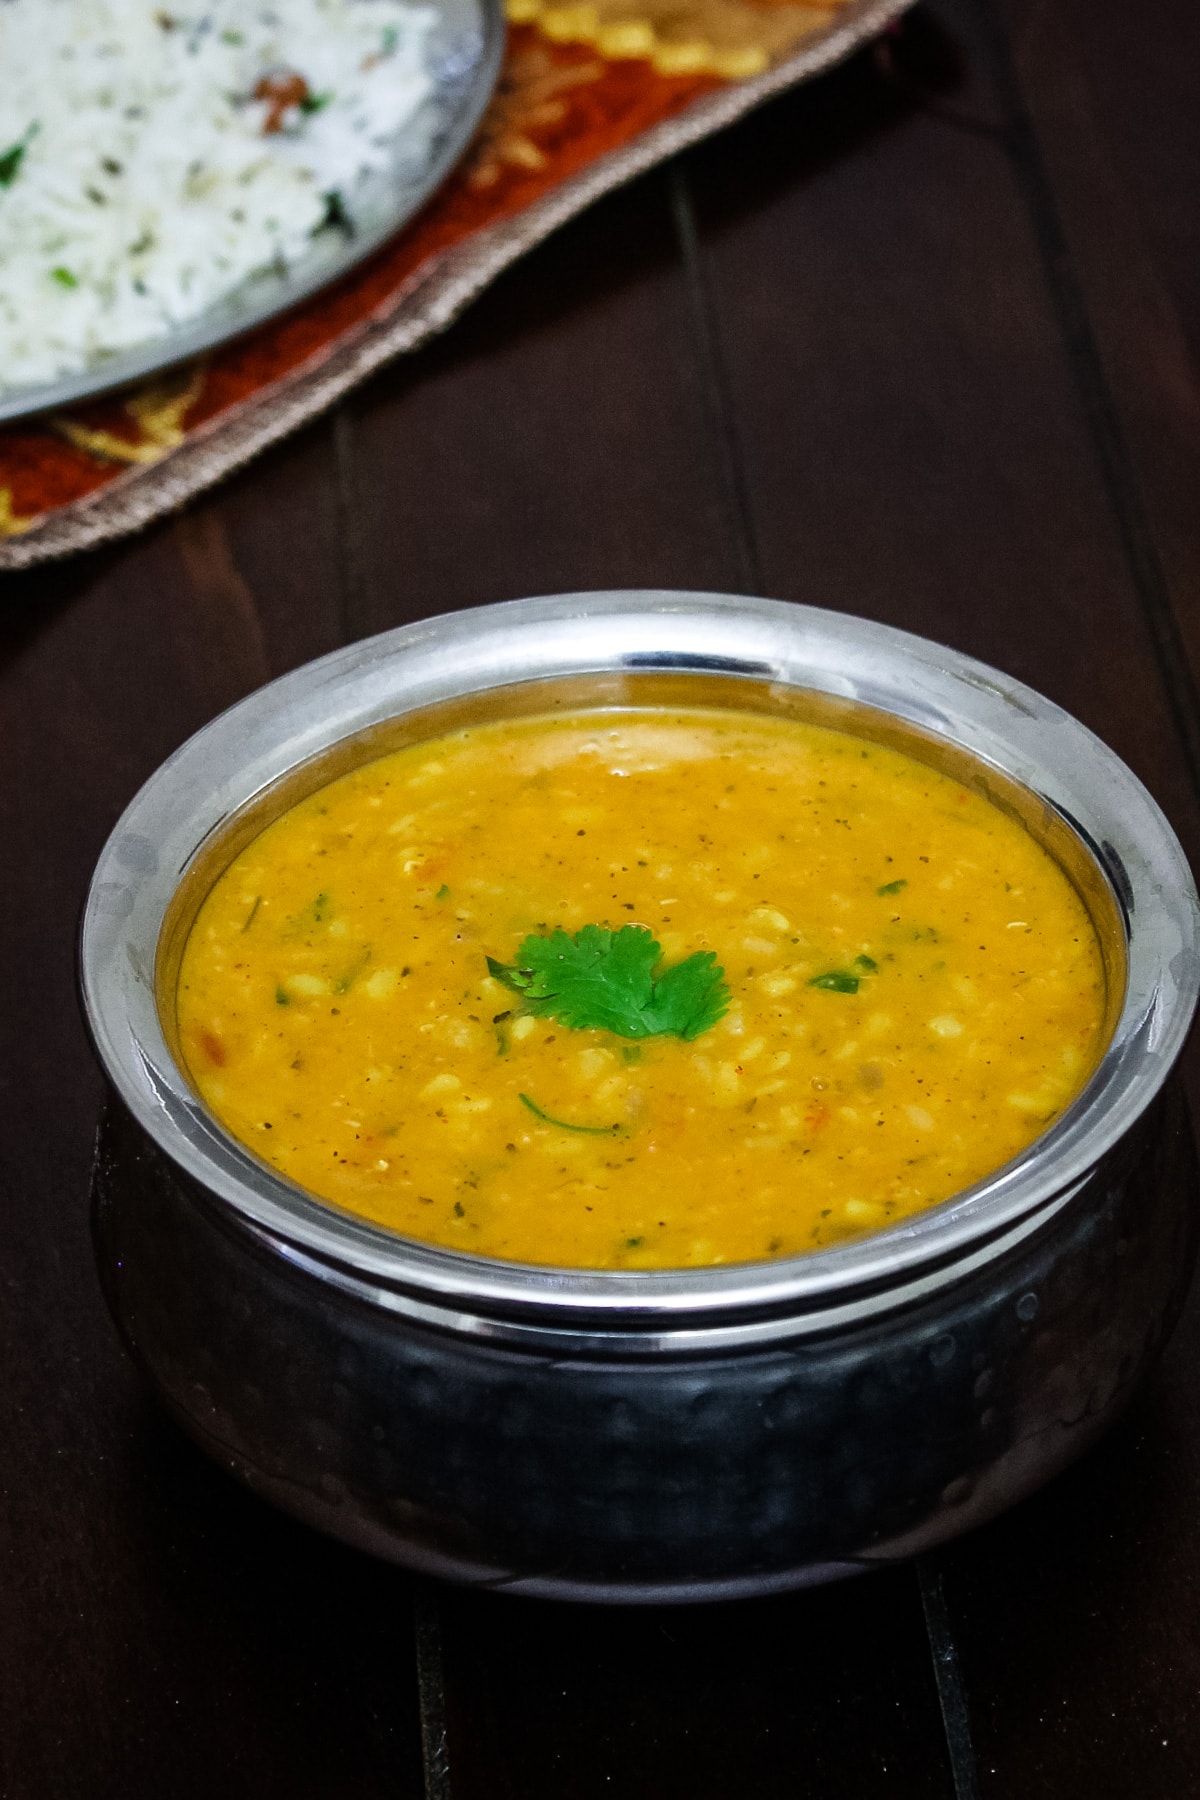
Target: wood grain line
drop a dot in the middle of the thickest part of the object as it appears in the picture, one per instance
(952, 1698)
(354, 586)
(718, 405)
(431, 1694)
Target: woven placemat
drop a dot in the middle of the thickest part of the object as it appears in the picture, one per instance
(590, 95)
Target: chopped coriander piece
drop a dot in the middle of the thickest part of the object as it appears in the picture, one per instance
(313, 103)
(892, 887)
(443, 892)
(64, 278)
(845, 981)
(836, 981)
(336, 217)
(10, 162)
(565, 1124)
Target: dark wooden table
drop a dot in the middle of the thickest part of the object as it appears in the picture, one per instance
(918, 342)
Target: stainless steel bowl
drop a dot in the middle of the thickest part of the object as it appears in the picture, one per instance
(638, 1435)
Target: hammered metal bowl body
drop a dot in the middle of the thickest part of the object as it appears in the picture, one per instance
(630, 1471)
(634, 1435)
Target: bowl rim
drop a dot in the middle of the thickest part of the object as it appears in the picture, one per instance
(951, 698)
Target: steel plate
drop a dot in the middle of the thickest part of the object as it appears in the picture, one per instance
(466, 49)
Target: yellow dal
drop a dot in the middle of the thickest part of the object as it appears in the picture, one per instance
(337, 1016)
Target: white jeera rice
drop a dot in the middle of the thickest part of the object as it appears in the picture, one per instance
(154, 159)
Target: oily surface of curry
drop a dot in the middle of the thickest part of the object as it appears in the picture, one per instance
(915, 989)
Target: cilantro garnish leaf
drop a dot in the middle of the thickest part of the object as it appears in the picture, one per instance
(892, 887)
(690, 996)
(605, 980)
